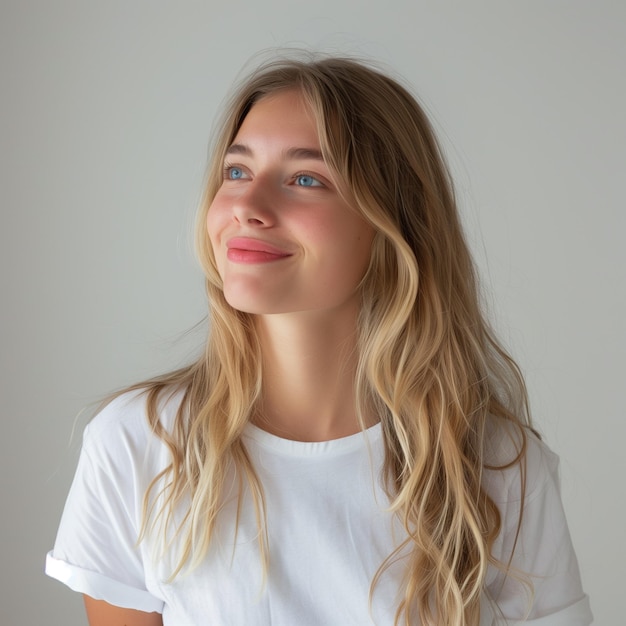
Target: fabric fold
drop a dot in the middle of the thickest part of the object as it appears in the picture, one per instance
(101, 587)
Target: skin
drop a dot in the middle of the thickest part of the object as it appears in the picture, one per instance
(305, 305)
(278, 190)
(100, 613)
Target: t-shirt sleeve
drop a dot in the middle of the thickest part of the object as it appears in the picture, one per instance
(96, 551)
(542, 550)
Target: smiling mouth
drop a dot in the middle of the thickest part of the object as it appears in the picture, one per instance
(248, 250)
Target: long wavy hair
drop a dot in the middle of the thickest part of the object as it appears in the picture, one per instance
(427, 360)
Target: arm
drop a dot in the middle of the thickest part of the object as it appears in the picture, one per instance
(100, 613)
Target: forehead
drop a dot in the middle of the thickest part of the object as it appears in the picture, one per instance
(283, 116)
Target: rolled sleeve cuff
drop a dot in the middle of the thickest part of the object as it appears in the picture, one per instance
(101, 587)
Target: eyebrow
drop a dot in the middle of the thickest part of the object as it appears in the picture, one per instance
(291, 153)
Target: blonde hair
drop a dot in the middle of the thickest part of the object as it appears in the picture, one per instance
(428, 362)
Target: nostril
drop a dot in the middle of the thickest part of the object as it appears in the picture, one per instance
(254, 220)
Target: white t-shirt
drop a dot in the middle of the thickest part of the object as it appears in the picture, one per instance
(328, 526)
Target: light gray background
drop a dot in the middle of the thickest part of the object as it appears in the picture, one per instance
(106, 110)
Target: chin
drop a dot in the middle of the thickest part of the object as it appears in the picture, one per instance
(253, 307)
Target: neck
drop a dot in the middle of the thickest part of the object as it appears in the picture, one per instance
(309, 366)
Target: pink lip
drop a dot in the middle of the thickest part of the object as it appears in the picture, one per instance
(249, 250)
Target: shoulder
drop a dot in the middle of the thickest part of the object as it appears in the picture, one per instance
(121, 431)
(127, 413)
(517, 462)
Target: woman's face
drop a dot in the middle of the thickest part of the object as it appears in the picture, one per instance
(283, 238)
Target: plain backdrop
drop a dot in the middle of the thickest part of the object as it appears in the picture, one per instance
(106, 111)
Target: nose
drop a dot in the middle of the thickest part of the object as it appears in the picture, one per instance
(254, 205)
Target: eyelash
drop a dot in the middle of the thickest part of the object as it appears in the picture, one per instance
(309, 175)
(228, 167)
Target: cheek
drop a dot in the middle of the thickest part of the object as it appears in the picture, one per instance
(215, 223)
(214, 226)
(362, 247)
(347, 251)
(353, 238)
(211, 223)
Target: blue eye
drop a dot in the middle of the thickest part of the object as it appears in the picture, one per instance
(304, 180)
(234, 173)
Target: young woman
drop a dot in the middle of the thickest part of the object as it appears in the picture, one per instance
(353, 447)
